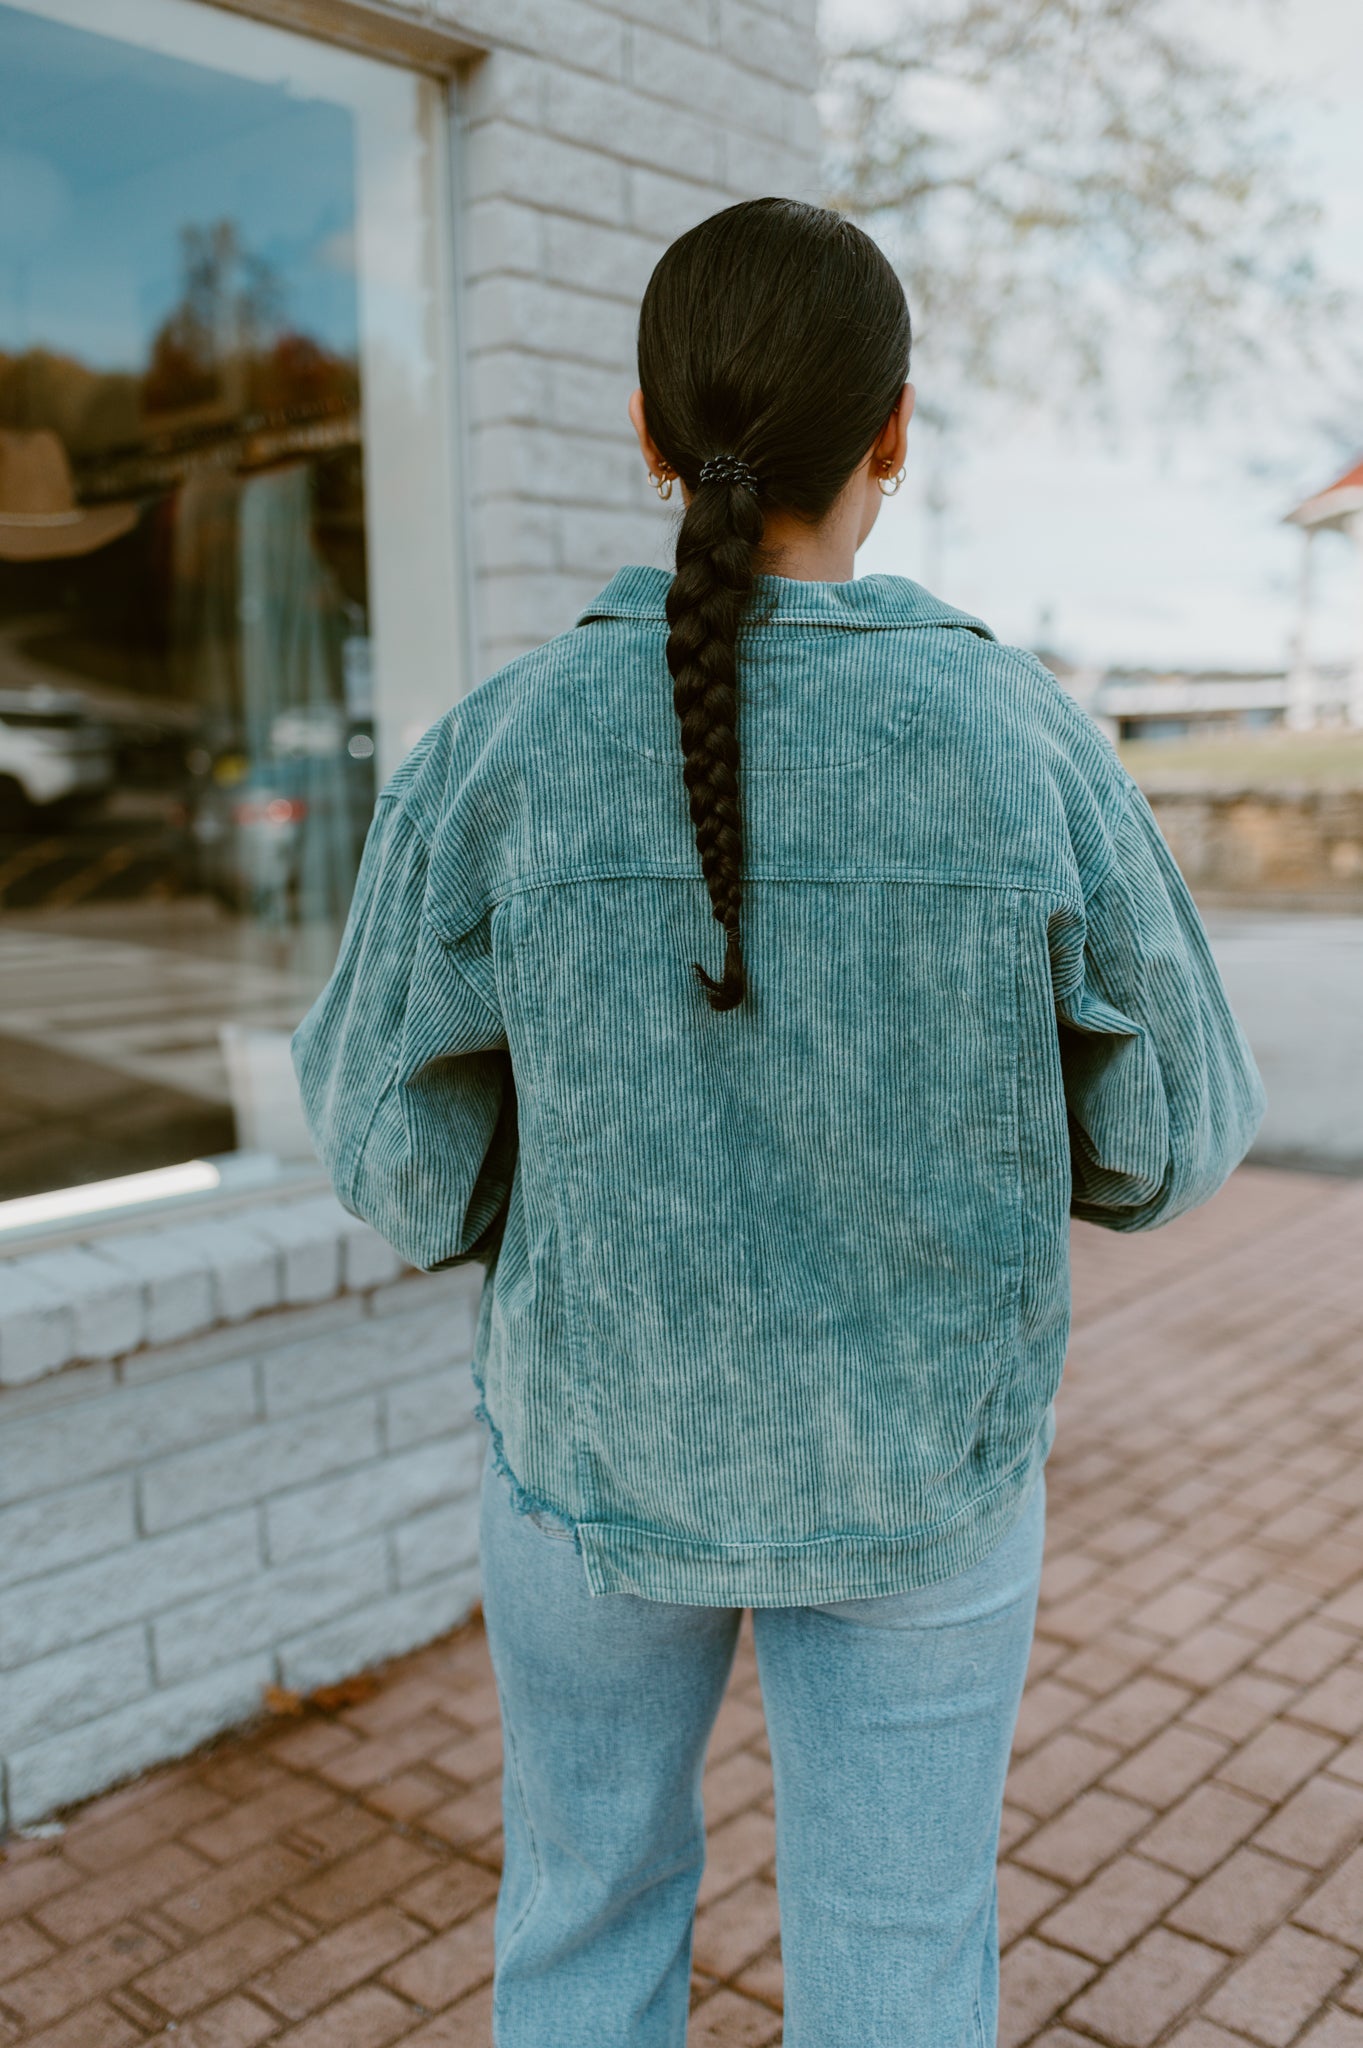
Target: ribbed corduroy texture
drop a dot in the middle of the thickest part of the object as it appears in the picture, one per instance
(777, 1299)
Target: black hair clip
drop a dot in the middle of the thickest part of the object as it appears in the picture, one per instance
(729, 469)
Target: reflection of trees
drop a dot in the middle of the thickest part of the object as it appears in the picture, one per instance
(90, 409)
(223, 364)
(230, 309)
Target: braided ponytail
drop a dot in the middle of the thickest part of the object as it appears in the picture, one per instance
(780, 330)
(716, 546)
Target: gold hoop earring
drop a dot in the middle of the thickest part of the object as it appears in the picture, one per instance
(662, 483)
(889, 485)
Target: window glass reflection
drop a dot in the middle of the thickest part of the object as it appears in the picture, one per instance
(186, 715)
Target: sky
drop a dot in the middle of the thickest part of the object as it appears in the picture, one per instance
(1119, 546)
(107, 151)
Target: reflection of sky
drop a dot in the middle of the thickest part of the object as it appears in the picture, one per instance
(1163, 542)
(107, 151)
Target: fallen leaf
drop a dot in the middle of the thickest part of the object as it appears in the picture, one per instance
(349, 1692)
(279, 1700)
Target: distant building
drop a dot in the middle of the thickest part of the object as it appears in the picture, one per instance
(1175, 704)
(1150, 704)
(1336, 509)
(1155, 704)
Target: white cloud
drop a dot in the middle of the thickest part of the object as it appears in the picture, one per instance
(1160, 542)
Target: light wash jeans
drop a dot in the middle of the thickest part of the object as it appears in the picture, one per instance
(890, 1723)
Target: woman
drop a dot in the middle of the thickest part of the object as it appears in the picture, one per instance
(777, 1287)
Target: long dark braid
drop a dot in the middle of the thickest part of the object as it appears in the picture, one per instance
(716, 547)
(773, 346)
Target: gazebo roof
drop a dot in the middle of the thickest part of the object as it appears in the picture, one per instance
(1333, 505)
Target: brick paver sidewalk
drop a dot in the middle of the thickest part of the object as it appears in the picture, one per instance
(1182, 1838)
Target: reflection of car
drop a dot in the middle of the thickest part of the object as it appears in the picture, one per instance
(247, 829)
(250, 818)
(50, 749)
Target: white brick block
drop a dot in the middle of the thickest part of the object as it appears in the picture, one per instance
(385, 1629)
(229, 1341)
(437, 1544)
(162, 1724)
(74, 1687)
(585, 399)
(595, 113)
(510, 385)
(106, 1305)
(374, 1353)
(586, 36)
(511, 534)
(764, 42)
(693, 21)
(73, 1384)
(502, 234)
(434, 1406)
(247, 1276)
(121, 1426)
(455, 1293)
(39, 1536)
(541, 608)
(85, 1600)
(681, 73)
(173, 1268)
(37, 1328)
(505, 85)
(502, 161)
(502, 312)
(615, 262)
(596, 543)
(266, 1459)
(753, 166)
(307, 1236)
(496, 651)
(663, 205)
(367, 1259)
(268, 1608)
(386, 1490)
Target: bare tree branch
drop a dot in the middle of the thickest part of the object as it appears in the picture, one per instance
(1045, 172)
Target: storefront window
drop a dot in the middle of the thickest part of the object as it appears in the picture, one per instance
(228, 583)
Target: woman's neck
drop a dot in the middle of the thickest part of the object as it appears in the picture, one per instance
(825, 553)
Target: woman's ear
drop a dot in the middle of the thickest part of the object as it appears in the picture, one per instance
(646, 443)
(892, 445)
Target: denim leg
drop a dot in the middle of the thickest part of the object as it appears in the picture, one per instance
(891, 1722)
(607, 1705)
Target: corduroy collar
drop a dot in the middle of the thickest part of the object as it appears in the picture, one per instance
(868, 603)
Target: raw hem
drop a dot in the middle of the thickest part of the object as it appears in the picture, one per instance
(522, 1499)
(693, 1573)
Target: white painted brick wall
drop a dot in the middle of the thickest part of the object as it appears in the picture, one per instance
(286, 1499)
(592, 135)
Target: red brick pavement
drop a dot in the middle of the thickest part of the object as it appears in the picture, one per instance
(1183, 1840)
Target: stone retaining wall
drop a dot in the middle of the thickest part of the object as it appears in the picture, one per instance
(1281, 846)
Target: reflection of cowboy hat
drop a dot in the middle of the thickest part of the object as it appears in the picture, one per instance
(39, 516)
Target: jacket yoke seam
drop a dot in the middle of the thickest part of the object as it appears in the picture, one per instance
(937, 668)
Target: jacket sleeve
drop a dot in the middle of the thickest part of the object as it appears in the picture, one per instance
(1161, 1089)
(403, 1067)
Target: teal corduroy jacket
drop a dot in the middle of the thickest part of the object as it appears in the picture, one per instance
(777, 1300)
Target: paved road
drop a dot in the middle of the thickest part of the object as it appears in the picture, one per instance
(1297, 985)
